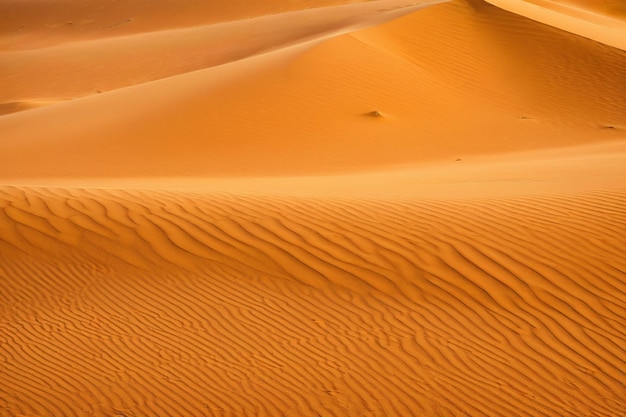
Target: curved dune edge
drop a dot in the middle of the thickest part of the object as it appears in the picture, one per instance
(80, 68)
(18, 106)
(32, 25)
(584, 22)
(303, 110)
(149, 302)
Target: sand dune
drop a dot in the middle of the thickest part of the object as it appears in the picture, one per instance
(28, 25)
(283, 105)
(173, 303)
(312, 208)
(587, 21)
(79, 68)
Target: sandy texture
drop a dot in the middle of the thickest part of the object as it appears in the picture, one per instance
(179, 303)
(313, 208)
(601, 21)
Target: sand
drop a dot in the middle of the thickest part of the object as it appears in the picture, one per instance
(316, 208)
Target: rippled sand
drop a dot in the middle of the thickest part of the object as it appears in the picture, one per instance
(317, 208)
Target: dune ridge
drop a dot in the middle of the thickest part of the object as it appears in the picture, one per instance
(299, 306)
(576, 18)
(79, 68)
(37, 24)
(272, 105)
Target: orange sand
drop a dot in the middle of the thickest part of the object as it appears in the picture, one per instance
(313, 208)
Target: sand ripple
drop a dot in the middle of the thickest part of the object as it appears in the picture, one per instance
(132, 303)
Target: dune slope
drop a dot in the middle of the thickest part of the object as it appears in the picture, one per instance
(82, 67)
(305, 111)
(34, 24)
(146, 302)
(358, 211)
(601, 21)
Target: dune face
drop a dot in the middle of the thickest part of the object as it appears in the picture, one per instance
(312, 208)
(31, 24)
(81, 67)
(601, 21)
(182, 303)
(492, 71)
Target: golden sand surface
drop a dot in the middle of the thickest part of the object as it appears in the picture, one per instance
(313, 208)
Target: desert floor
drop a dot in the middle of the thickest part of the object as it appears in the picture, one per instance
(312, 208)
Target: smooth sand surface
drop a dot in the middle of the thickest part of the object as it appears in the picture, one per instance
(313, 208)
(603, 21)
(82, 66)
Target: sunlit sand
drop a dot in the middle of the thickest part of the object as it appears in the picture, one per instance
(312, 208)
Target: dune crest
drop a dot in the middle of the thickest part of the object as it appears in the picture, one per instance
(30, 25)
(268, 115)
(584, 21)
(79, 68)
